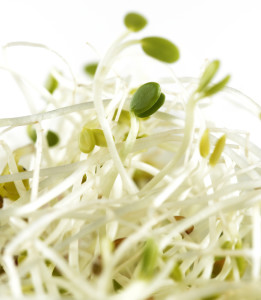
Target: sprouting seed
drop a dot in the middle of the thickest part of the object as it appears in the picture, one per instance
(91, 68)
(52, 138)
(219, 147)
(160, 48)
(149, 259)
(31, 132)
(134, 21)
(217, 87)
(147, 100)
(208, 75)
(51, 83)
(86, 140)
(204, 145)
(99, 137)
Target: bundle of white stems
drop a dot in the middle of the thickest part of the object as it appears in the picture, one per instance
(138, 188)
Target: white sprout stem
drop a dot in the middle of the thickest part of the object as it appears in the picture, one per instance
(139, 145)
(37, 226)
(231, 91)
(22, 87)
(131, 138)
(14, 279)
(256, 237)
(20, 121)
(180, 176)
(13, 168)
(37, 163)
(79, 282)
(36, 276)
(100, 75)
(48, 97)
(67, 219)
(187, 139)
(37, 45)
(203, 214)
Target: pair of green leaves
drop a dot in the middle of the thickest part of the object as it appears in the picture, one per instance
(156, 47)
(204, 147)
(147, 100)
(204, 87)
(51, 137)
(88, 138)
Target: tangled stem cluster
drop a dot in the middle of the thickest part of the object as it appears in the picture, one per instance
(122, 201)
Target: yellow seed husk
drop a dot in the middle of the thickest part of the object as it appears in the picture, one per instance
(204, 146)
(219, 147)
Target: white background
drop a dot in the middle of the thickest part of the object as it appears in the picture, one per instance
(229, 30)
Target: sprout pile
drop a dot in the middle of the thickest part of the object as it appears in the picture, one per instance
(131, 191)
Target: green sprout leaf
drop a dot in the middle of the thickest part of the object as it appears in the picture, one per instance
(91, 68)
(154, 108)
(86, 140)
(116, 285)
(51, 83)
(160, 48)
(31, 132)
(228, 245)
(240, 260)
(8, 189)
(204, 145)
(241, 265)
(21, 257)
(147, 100)
(52, 138)
(219, 147)
(217, 87)
(124, 117)
(141, 178)
(208, 75)
(135, 22)
(99, 137)
(149, 260)
(176, 273)
(204, 89)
